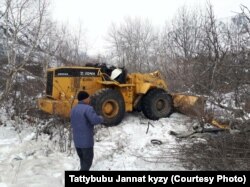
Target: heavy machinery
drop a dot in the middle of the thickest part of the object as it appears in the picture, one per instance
(113, 92)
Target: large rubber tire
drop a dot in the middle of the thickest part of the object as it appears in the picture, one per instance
(109, 103)
(157, 104)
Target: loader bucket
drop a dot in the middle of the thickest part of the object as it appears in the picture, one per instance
(189, 105)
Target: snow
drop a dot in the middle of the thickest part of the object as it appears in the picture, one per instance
(29, 161)
(31, 77)
(25, 161)
(128, 146)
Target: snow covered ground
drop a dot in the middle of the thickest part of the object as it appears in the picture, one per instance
(25, 161)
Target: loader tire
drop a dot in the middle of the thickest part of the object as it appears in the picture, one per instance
(157, 104)
(109, 103)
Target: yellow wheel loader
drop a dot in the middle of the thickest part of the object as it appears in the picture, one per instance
(113, 92)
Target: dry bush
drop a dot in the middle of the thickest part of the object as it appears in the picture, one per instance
(59, 131)
(223, 152)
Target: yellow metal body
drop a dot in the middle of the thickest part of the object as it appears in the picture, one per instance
(194, 106)
(64, 83)
(219, 124)
(190, 105)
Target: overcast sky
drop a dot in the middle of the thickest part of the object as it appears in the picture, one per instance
(96, 16)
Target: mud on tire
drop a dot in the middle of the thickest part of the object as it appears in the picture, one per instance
(157, 104)
(110, 104)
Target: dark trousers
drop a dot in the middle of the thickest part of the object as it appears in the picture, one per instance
(86, 156)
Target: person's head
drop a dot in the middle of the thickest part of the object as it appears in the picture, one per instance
(83, 96)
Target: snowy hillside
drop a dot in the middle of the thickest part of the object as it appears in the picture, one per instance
(127, 146)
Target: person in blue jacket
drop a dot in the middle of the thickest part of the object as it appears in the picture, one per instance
(83, 118)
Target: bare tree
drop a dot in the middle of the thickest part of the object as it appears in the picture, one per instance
(185, 36)
(204, 55)
(246, 13)
(23, 21)
(50, 45)
(73, 45)
(180, 44)
(133, 44)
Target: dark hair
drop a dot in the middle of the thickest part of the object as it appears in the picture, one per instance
(82, 95)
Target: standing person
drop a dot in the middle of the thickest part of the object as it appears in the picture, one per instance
(83, 118)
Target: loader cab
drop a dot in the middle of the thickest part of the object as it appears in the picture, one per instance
(119, 75)
(111, 73)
